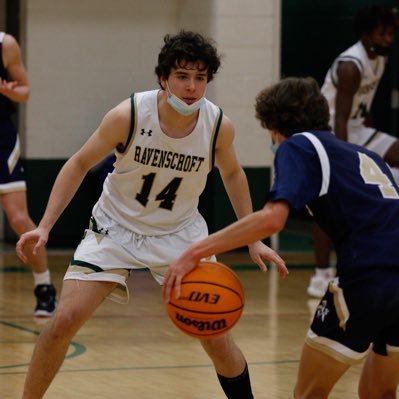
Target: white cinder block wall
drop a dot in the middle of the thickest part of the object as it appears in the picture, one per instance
(248, 35)
(83, 57)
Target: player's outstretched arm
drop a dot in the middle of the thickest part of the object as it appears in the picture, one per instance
(247, 230)
(112, 131)
(236, 184)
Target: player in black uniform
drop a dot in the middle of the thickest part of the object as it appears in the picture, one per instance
(14, 88)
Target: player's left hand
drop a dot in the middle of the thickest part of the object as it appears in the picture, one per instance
(259, 251)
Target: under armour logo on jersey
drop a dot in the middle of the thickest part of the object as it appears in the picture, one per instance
(322, 310)
(103, 230)
(143, 132)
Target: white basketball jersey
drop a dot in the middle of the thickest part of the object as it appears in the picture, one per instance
(155, 186)
(370, 77)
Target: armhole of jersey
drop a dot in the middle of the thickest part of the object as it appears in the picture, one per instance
(356, 61)
(214, 137)
(132, 128)
(324, 161)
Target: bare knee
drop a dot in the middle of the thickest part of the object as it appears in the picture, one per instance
(63, 326)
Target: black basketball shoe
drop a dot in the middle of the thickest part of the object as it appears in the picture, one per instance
(46, 301)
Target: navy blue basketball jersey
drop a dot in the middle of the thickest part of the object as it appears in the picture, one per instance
(349, 191)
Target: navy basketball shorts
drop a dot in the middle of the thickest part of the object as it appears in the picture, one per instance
(354, 315)
(12, 176)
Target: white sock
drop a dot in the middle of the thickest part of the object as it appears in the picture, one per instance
(42, 278)
(322, 272)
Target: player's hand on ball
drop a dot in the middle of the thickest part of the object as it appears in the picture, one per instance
(176, 271)
(210, 303)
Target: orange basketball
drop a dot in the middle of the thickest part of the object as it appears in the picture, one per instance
(211, 301)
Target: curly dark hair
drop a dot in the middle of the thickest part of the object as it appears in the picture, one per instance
(187, 47)
(369, 18)
(291, 106)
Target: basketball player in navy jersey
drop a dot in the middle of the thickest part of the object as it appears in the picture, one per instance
(14, 88)
(351, 193)
(166, 141)
(350, 86)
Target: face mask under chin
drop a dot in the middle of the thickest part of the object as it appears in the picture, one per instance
(380, 50)
(180, 106)
(274, 147)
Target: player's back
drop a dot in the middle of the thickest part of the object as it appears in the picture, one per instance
(360, 207)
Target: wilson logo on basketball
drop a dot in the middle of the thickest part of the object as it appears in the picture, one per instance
(198, 296)
(215, 325)
(210, 303)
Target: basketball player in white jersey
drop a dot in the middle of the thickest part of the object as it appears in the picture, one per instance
(350, 86)
(166, 141)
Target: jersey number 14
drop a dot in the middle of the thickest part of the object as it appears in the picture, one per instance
(166, 196)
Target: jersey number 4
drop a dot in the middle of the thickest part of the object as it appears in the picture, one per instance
(372, 174)
(166, 196)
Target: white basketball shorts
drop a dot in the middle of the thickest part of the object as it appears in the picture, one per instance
(109, 252)
(370, 138)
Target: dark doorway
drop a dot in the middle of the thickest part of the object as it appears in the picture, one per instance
(315, 32)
